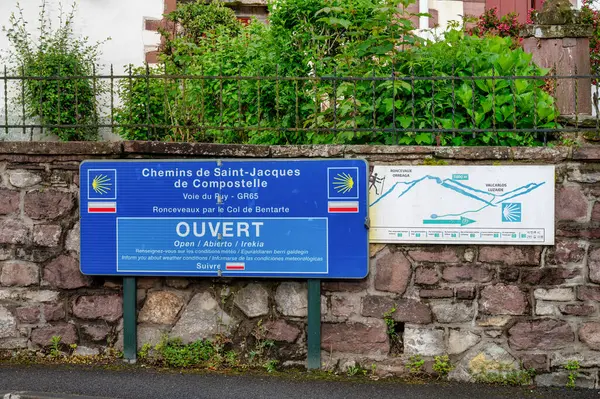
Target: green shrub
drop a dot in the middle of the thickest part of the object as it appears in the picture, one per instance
(56, 54)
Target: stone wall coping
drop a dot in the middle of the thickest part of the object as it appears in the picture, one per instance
(557, 31)
(27, 151)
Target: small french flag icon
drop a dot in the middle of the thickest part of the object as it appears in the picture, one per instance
(235, 266)
(342, 206)
(102, 207)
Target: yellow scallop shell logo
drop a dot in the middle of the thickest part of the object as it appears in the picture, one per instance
(343, 183)
(101, 184)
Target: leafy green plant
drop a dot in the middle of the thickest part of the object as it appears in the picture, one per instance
(55, 346)
(144, 351)
(271, 365)
(511, 377)
(442, 365)
(415, 364)
(354, 370)
(176, 354)
(573, 367)
(67, 106)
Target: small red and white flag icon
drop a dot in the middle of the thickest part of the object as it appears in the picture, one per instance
(102, 207)
(342, 206)
(235, 266)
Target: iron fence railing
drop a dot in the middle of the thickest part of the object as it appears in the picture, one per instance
(394, 109)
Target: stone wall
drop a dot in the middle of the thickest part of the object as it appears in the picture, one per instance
(488, 307)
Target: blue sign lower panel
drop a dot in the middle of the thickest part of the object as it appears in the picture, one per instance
(236, 218)
(235, 246)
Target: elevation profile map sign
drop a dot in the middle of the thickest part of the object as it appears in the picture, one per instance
(504, 205)
(272, 218)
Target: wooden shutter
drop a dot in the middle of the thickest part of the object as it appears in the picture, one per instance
(521, 7)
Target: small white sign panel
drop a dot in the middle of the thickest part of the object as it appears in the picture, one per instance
(504, 205)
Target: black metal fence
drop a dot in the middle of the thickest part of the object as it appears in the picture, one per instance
(147, 104)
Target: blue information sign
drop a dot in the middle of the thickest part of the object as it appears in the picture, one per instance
(271, 218)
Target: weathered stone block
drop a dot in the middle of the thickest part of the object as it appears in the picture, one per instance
(29, 314)
(252, 300)
(566, 252)
(461, 340)
(571, 204)
(292, 299)
(8, 324)
(449, 312)
(9, 201)
(577, 309)
(407, 310)
(19, 273)
(537, 361)
(546, 334)
(42, 336)
(588, 293)
(594, 265)
(435, 255)
(560, 379)
(511, 256)
(345, 306)
(544, 308)
(424, 341)
(47, 204)
(151, 335)
(344, 286)
(203, 318)
(503, 299)
(439, 293)
(72, 241)
(104, 307)
(280, 330)
(13, 232)
(456, 274)
(509, 274)
(54, 311)
(63, 272)
(21, 178)
(549, 276)
(46, 235)
(495, 321)
(161, 307)
(360, 338)
(589, 334)
(465, 293)
(484, 358)
(97, 333)
(426, 276)
(554, 294)
(180, 283)
(393, 272)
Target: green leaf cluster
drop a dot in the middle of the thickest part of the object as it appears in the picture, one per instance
(57, 64)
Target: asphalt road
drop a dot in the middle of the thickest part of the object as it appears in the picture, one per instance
(135, 383)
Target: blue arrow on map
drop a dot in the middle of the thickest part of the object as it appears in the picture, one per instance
(463, 221)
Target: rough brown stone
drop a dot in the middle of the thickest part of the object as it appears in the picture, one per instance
(252, 300)
(46, 235)
(571, 204)
(148, 282)
(355, 338)
(63, 272)
(588, 293)
(54, 311)
(435, 255)
(466, 273)
(42, 336)
(439, 293)
(510, 274)
(449, 312)
(280, 330)
(465, 293)
(544, 334)
(511, 256)
(393, 272)
(407, 310)
(23, 178)
(345, 306)
(537, 361)
(565, 252)
(345, 286)
(47, 204)
(577, 309)
(589, 334)
(548, 276)
(426, 276)
(19, 273)
(596, 212)
(13, 232)
(503, 299)
(177, 282)
(161, 307)
(9, 201)
(28, 314)
(594, 265)
(105, 307)
(96, 333)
